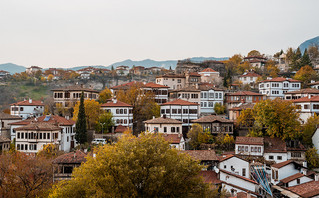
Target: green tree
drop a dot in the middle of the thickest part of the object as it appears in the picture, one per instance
(296, 60)
(219, 108)
(309, 128)
(105, 121)
(136, 167)
(312, 158)
(198, 136)
(305, 60)
(105, 95)
(80, 128)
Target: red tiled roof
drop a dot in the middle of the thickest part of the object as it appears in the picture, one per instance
(210, 177)
(173, 138)
(222, 158)
(76, 157)
(292, 177)
(194, 74)
(117, 104)
(5, 116)
(180, 102)
(128, 85)
(171, 76)
(27, 103)
(202, 155)
(154, 85)
(281, 79)
(250, 140)
(314, 83)
(242, 107)
(211, 118)
(238, 176)
(282, 164)
(121, 129)
(57, 119)
(39, 126)
(274, 145)
(307, 99)
(22, 122)
(308, 189)
(245, 93)
(162, 120)
(304, 91)
(250, 74)
(257, 57)
(208, 70)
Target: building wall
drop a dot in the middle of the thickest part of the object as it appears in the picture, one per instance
(315, 140)
(27, 111)
(172, 83)
(182, 113)
(127, 117)
(208, 100)
(237, 164)
(302, 180)
(276, 157)
(248, 151)
(283, 172)
(237, 181)
(160, 127)
(277, 89)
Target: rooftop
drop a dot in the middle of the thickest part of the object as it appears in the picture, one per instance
(211, 118)
(28, 103)
(120, 129)
(249, 140)
(208, 70)
(162, 120)
(116, 103)
(76, 157)
(39, 126)
(180, 102)
(210, 177)
(274, 145)
(282, 164)
(281, 79)
(154, 85)
(304, 91)
(244, 93)
(250, 74)
(173, 138)
(292, 177)
(308, 189)
(202, 155)
(4, 139)
(307, 99)
(5, 116)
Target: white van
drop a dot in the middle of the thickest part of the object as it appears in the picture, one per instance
(98, 141)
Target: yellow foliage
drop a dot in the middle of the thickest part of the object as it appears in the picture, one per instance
(92, 112)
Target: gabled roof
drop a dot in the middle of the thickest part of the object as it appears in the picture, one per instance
(249, 140)
(116, 104)
(154, 85)
(307, 99)
(250, 74)
(186, 89)
(62, 121)
(180, 102)
(27, 103)
(245, 93)
(173, 138)
(171, 76)
(202, 155)
(162, 120)
(128, 85)
(222, 158)
(194, 74)
(40, 126)
(211, 118)
(282, 164)
(304, 91)
(308, 189)
(76, 157)
(242, 107)
(291, 178)
(314, 83)
(5, 116)
(208, 86)
(281, 79)
(120, 129)
(208, 70)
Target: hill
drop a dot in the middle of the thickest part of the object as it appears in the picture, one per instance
(308, 43)
(12, 68)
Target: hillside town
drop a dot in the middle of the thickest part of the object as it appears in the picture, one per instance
(249, 121)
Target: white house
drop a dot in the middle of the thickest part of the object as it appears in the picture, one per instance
(315, 139)
(209, 96)
(33, 69)
(314, 85)
(181, 110)
(32, 137)
(249, 78)
(285, 169)
(122, 113)
(294, 180)
(275, 150)
(4, 74)
(293, 95)
(256, 61)
(27, 108)
(277, 87)
(307, 106)
(5, 120)
(210, 76)
(234, 164)
(173, 81)
(122, 70)
(249, 146)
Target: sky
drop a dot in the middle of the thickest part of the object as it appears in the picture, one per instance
(68, 33)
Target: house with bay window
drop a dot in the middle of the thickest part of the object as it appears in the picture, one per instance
(27, 108)
(215, 124)
(253, 146)
(277, 87)
(209, 96)
(243, 97)
(122, 113)
(307, 106)
(190, 94)
(293, 95)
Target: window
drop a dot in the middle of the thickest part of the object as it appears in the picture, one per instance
(18, 137)
(246, 148)
(239, 148)
(259, 149)
(155, 129)
(306, 107)
(168, 111)
(225, 166)
(298, 181)
(173, 129)
(165, 129)
(21, 108)
(279, 157)
(316, 106)
(22, 135)
(125, 111)
(177, 129)
(48, 135)
(121, 111)
(296, 154)
(271, 157)
(117, 111)
(244, 172)
(174, 111)
(162, 111)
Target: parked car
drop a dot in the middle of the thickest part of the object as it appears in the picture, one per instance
(98, 141)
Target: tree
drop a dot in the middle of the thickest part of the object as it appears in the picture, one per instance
(80, 127)
(105, 122)
(24, 175)
(305, 60)
(306, 74)
(228, 142)
(144, 105)
(254, 53)
(242, 67)
(50, 77)
(92, 112)
(49, 151)
(219, 108)
(198, 136)
(309, 128)
(312, 158)
(313, 52)
(296, 60)
(105, 95)
(136, 167)
(289, 55)
(271, 69)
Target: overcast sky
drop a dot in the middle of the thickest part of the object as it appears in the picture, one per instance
(67, 33)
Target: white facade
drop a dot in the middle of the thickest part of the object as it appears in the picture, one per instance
(235, 165)
(249, 78)
(172, 81)
(298, 181)
(27, 108)
(307, 107)
(122, 113)
(277, 87)
(315, 140)
(278, 174)
(208, 99)
(276, 157)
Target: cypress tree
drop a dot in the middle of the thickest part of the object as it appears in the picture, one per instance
(80, 128)
(305, 60)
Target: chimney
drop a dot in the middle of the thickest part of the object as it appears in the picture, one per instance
(309, 96)
(67, 117)
(316, 177)
(114, 100)
(304, 171)
(30, 100)
(153, 117)
(74, 154)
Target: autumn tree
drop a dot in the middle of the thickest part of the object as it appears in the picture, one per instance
(312, 158)
(80, 127)
(143, 102)
(50, 151)
(198, 136)
(243, 67)
(50, 77)
(24, 175)
(231, 68)
(313, 52)
(289, 55)
(105, 95)
(309, 128)
(135, 167)
(305, 60)
(306, 74)
(219, 108)
(254, 53)
(92, 112)
(271, 69)
(105, 122)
